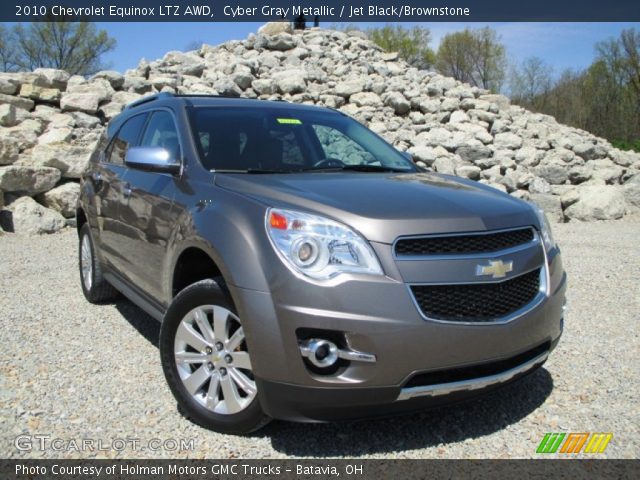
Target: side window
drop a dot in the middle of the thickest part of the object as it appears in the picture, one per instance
(126, 137)
(161, 132)
(337, 145)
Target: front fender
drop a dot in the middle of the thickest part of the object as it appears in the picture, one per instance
(231, 231)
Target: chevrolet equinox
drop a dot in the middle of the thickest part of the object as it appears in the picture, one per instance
(304, 269)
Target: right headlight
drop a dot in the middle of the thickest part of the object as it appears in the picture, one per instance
(318, 247)
(545, 228)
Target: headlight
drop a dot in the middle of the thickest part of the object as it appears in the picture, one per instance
(318, 247)
(545, 228)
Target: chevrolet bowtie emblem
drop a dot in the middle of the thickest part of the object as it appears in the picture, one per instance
(496, 268)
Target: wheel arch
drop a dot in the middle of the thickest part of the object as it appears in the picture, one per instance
(81, 219)
(192, 264)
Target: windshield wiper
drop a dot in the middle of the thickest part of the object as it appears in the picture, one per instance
(360, 168)
(266, 170)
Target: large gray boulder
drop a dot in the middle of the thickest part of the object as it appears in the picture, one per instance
(507, 140)
(398, 102)
(553, 173)
(28, 180)
(17, 102)
(274, 28)
(62, 199)
(550, 204)
(8, 150)
(631, 190)
(280, 42)
(53, 78)
(83, 102)
(115, 79)
(264, 86)
(70, 160)
(365, 99)
(29, 217)
(349, 87)
(290, 81)
(40, 94)
(598, 203)
(7, 115)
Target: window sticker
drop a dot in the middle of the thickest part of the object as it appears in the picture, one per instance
(288, 121)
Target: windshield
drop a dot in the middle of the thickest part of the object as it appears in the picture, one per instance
(280, 140)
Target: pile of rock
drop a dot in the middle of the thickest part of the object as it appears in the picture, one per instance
(50, 122)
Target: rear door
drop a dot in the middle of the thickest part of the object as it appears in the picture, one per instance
(146, 210)
(108, 179)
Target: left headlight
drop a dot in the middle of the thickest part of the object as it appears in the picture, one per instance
(545, 228)
(318, 247)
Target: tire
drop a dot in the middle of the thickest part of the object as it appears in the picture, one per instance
(95, 288)
(209, 372)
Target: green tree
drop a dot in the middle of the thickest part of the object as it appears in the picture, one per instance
(531, 82)
(7, 50)
(412, 44)
(74, 46)
(604, 98)
(476, 57)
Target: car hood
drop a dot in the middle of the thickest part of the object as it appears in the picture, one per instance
(384, 206)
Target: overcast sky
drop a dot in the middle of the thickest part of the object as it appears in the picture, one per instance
(563, 45)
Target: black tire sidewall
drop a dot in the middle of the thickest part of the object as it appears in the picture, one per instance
(206, 292)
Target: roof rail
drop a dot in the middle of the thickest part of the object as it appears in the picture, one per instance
(149, 98)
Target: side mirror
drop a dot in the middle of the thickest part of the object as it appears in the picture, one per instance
(152, 159)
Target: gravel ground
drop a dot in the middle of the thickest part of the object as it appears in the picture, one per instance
(72, 371)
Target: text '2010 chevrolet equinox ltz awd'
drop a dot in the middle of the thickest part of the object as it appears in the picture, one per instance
(304, 269)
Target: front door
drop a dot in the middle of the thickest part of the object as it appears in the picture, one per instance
(109, 180)
(146, 210)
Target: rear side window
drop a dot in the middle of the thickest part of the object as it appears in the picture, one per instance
(161, 132)
(127, 137)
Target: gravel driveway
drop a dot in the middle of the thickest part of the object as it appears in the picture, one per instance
(74, 371)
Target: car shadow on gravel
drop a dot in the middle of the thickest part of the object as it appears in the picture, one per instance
(145, 324)
(452, 424)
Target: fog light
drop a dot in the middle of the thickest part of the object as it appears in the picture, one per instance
(321, 353)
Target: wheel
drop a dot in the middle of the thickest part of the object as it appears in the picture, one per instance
(206, 362)
(95, 288)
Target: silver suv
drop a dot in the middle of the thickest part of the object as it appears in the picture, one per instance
(303, 269)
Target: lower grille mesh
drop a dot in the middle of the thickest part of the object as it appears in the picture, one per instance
(481, 302)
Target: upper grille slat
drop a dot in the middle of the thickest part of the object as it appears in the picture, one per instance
(477, 302)
(463, 244)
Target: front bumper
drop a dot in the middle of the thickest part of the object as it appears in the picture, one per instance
(322, 404)
(405, 345)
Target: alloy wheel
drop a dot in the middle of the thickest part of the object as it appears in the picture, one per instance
(212, 359)
(86, 262)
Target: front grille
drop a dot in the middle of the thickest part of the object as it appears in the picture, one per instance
(475, 371)
(463, 244)
(478, 302)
